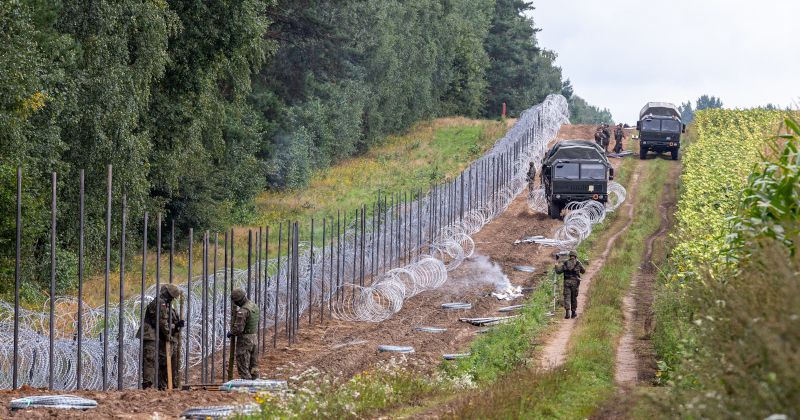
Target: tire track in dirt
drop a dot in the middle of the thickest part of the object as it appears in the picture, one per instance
(632, 364)
(555, 347)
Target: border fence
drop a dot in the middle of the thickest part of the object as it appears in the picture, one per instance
(362, 269)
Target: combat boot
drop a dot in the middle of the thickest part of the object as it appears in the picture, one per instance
(574, 315)
(566, 313)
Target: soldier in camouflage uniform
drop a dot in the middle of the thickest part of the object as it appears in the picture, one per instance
(606, 137)
(619, 135)
(531, 177)
(244, 327)
(169, 329)
(572, 269)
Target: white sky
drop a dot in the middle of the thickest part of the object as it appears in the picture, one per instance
(744, 52)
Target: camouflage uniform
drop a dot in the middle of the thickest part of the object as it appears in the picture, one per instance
(618, 136)
(147, 332)
(572, 269)
(598, 137)
(531, 178)
(606, 137)
(245, 327)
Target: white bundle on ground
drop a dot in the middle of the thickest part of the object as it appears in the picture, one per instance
(52, 401)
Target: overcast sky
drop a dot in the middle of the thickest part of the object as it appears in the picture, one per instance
(620, 54)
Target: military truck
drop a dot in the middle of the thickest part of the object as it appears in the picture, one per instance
(575, 170)
(660, 129)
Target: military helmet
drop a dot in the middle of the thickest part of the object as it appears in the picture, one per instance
(238, 296)
(573, 254)
(170, 291)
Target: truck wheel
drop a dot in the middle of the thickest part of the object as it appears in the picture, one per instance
(553, 210)
(674, 153)
(642, 152)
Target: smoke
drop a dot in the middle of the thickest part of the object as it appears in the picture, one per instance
(479, 270)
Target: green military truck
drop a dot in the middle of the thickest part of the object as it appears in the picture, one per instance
(575, 170)
(660, 129)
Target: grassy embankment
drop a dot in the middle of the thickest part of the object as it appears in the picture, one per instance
(494, 356)
(577, 388)
(431, 152)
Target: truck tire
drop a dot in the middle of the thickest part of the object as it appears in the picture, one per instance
(674, 153)
(642, 152)
(553, 210)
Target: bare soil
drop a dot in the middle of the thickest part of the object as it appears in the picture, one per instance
(342, 349)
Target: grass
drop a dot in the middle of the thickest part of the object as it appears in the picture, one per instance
(586, 379)
(431, 152)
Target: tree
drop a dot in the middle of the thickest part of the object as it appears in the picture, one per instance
(521, 73)
(708, 102)
(580, 112)
(687, 113)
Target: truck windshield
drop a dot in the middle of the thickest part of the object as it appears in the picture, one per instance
(567, 171)
(593, 171)
(651, 125)
(671, 126)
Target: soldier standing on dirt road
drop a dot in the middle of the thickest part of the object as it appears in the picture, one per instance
(244, 327)
(606, 137)
(531, 177)
(598, 136)
(572, 269)
(619, 135)
(147, 332)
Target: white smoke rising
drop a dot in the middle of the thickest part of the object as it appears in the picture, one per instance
(478, 269)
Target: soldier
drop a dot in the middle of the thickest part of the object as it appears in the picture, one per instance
(619, 135)
(572, 269)
(244, 327)
(598, 136)
(606, 137)
(169, 330)
(531, 177)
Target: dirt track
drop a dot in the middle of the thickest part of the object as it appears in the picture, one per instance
(344, 349)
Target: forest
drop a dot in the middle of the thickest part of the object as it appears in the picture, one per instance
(200, 106)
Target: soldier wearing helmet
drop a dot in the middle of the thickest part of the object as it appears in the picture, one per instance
(619, 135)
(244, 326)
(169, 329)
(572, 269)
(531, 177)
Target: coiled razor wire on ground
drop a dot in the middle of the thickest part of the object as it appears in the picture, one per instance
(453, 243)
(53, 401)
(219, 411)
(253, 385)
(580, 216)
(396, 349)
(436, 238)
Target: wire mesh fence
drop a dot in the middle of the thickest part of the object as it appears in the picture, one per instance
(363, 269)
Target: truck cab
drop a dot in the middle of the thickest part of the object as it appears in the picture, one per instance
(660, 129)
(575, 170)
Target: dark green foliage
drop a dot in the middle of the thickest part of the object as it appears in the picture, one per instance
(521, 74)
(687, 113)
(157, 89)
(201, 105)
(708, 102)
(581, 112)
(771, 201)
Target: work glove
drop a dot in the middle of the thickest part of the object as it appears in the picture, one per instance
(180, 324)
(229, 334)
